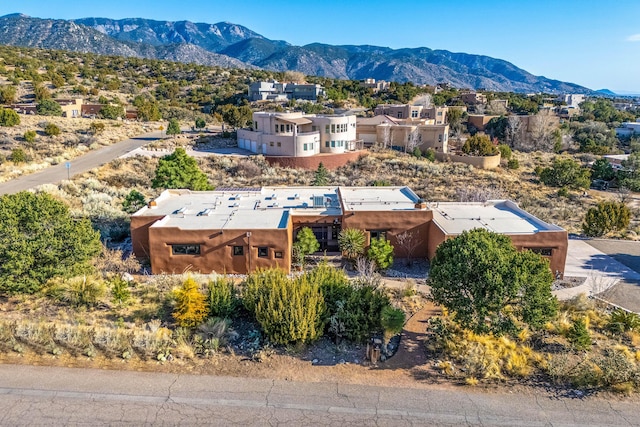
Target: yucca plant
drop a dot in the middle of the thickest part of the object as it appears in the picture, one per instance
(623, 321)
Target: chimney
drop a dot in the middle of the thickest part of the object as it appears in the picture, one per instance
(421, 205)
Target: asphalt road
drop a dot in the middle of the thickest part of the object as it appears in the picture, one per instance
(60, 396)
(80, 164)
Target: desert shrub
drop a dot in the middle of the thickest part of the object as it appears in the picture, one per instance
(30, 136)
(513, 164)
(96, 127)
(49, 107)
(81, 291)
(190, 304)
(381, 252)
(621, 321)
(578, 335)
(505, 151)
(211, 335)
(352, 242)
(9, 117)
(605, 218)
(479, 145)
(248, 169)
(18, 156)
(566, 172)
(357, 314)
(289, 311)
(481, 356)
(51, 129)
(221, 298)
(430, 155)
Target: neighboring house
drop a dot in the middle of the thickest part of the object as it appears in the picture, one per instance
(272, 90)
(24, 108)
(572, 100)
(473, 98)
(91, 109)
(375, 86)
(70, 107)
(616, 160)
(403, 134)
(237, 231)
(413, 112)
(628, 129)
(479, 121)
(299, 134)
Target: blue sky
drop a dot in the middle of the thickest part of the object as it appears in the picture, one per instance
(592, 43)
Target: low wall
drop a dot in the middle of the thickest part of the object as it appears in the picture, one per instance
(484, 162)
(330, 161)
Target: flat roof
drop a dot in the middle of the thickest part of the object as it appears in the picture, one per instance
(377, 198)
(500, 216)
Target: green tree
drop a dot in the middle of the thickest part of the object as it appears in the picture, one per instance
(630, 176)
(7, 94)
(578, 335)
(9, 117)
(605, 218)
(39, 240)
(321, 176)
(602, 169)
(489, 286)
(505, 151)
(190, 307)
(147, 110)
(133, 202)
(178, 170)
(49, 107)
(237, 117)
(306, 242)
(200, 123)
(392, 320)
(173, 128)
(381, 252)
(479, 145)
(566, 172)
(111, 112)
(352, 242)
(51, 129)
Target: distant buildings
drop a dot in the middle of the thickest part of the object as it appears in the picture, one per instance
(628, 129)
(375, 86)
(572, 100)
(273, 90)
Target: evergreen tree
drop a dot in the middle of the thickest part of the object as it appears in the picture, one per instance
(178, 170)
(381, 252)
(173, 128)
(9, 117)
(190, 309)
(321, 177)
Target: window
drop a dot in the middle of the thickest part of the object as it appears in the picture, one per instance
(333, 143)
(326, 129)
(276, 128)
(238, 250)
(304, 147)
(542, 251)
(279, 144)
(281, 128)
(378, 234)
(271, 144)
(256, 125)
(439, 138)
(278, 254)
(185, 249)
(440, 113)
(311, 146)
(314, 128)
(399, 114)
(333, 128)
(414, 113)
(326, 144)
(263, 252)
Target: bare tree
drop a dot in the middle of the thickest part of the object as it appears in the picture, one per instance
(367, 273)
(409, 241)
(513, 132)
(413, 140)
(424, 100)
(542, 129)
(386, 135)
(479, 194)
(497, 107)
(294, 77)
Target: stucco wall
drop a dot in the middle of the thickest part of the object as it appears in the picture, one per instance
(216, 250)
(394, 223)
(140, 234)
(485, 162)
(330, 161)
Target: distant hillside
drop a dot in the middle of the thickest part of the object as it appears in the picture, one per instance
(231, 45)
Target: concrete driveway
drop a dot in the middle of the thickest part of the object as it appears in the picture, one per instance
(601, 270)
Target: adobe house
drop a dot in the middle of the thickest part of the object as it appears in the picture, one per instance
(240, 230)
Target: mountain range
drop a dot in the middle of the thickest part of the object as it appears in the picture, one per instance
(230, 45)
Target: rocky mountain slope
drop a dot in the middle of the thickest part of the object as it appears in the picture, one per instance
(231, 45)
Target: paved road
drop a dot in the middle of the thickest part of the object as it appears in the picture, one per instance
(60, 396)
(81, 164)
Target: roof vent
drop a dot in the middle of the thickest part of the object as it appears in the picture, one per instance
(318, 201)
(205, 212)
(180, 211)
